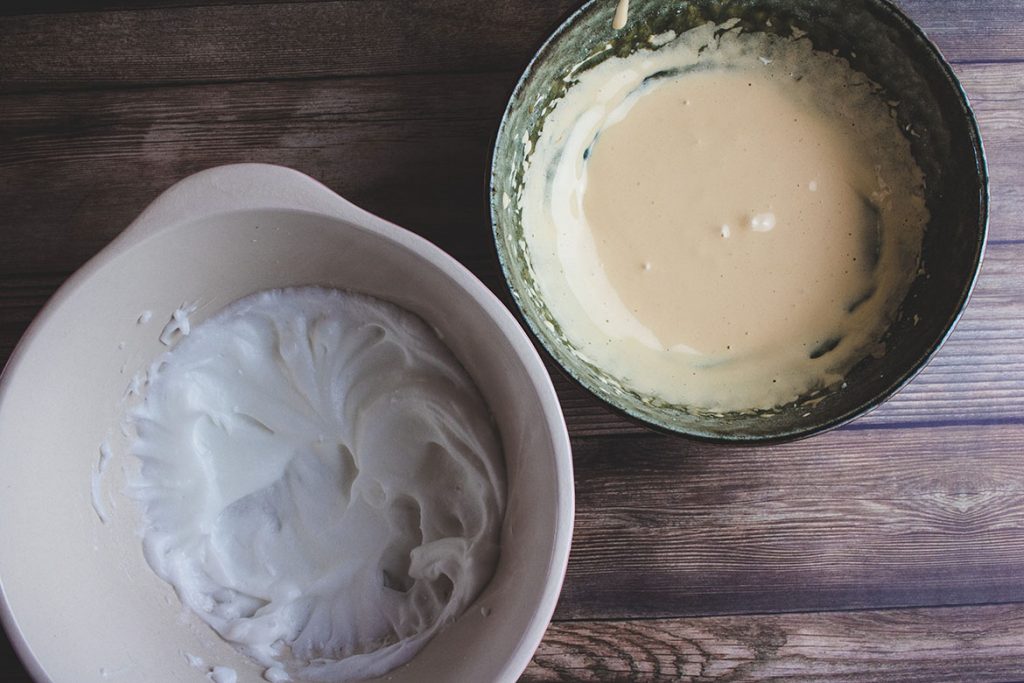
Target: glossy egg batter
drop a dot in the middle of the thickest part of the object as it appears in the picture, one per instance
(727, 221)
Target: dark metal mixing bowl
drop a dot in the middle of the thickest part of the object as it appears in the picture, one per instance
(933, 111)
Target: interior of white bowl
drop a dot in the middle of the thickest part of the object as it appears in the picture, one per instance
(82, 605)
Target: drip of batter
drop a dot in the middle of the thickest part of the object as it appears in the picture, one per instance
(728, 222)
(621, 15)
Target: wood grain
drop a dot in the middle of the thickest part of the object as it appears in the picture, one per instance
(851, 519)
(971, 31)
(216, 42)
(270, 41)
(16, 7)
(926, 646)
(76, 168)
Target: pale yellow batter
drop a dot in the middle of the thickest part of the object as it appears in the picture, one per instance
(728, 228)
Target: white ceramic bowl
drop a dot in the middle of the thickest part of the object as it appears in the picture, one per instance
(76, 596)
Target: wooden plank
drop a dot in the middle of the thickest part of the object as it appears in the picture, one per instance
(21, 297)
(16, 7)
(849, 520)
(270, 41)
(215, 42)
(971, 31)
(996, 92)
(922, 645)
(75, 168)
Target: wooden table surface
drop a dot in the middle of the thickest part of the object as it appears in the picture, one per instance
(892, 549)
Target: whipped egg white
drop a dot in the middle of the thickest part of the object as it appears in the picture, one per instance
(322, 481)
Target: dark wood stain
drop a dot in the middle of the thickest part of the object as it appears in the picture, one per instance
(232, 42)
(877, 552)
